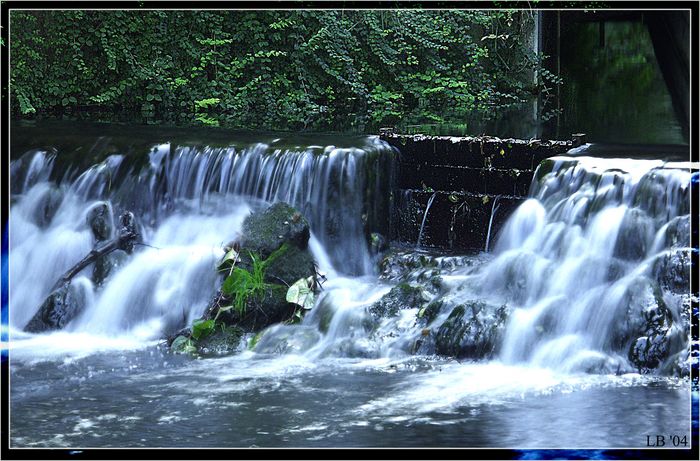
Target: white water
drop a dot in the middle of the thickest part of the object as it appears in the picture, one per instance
(190, 202)
(551, 259)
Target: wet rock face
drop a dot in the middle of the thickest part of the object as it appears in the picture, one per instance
(473, 330)
(636, 230)
(99, 219)
(48, 204)
(58, 309)
(646, 327)
(402, 296)
(672, 270)
(266, 231)
(104, 266)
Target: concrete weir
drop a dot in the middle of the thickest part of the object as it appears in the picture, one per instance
(476, 183)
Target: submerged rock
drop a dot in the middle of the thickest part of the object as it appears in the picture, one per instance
(285, 339)
(59, 308)
(473, 330)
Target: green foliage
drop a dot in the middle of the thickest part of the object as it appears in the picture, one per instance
(285, 69)
(202, 328)
(242, 285)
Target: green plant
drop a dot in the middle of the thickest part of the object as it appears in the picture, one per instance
(242, 285)
(275, 69)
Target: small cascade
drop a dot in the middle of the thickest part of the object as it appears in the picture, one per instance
(494, 210)
(581, 264)
(425, 216)
(189, 202)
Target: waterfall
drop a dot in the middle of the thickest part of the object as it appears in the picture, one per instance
(589, 273)
(581, 264)
(189, 201)
(425, 216)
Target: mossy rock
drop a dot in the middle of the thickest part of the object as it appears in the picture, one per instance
(222, 341)
(402, 296)
(266, 231)
(272, 307)
(473, 330)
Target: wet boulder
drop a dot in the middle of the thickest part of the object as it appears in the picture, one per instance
(47, 206)
(402, 296)
(473, 330)
(266, 231)
(104, 266)
(99, 220)
(644, 327)
(219, 341)
(678, 232)
(59, 308)
(671, 270)
(273, 254)
(635, 233)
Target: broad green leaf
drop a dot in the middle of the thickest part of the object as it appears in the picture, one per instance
(202, 328)
(300, 293)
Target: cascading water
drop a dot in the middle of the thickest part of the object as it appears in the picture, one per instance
(586, 285)
(190, 201)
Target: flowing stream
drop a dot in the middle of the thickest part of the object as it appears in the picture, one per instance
(578, 318)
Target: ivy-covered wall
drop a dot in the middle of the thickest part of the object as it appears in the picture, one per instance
(305, 69)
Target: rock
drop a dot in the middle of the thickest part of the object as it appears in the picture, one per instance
(291, 265)
(644, 329)
(636, 231)
(402, 296)
(59, 308)
(99, 219)
(48, 204)
(286, 339)
(678, 232)
(266, 231)
(378, 244)
(277, 238)
(221, 342)
(260, 312)
(672, 270)
(105, 265)
(473, 330)
(400, 265)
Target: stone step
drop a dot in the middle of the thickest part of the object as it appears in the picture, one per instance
(475, 152)
(454, 178)
(455, 221)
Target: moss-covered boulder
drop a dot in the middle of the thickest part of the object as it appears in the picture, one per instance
(266, 231)
(272, 254)
(222, 340)
(473, 330)
(402, 296)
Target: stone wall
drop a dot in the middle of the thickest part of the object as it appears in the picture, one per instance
(470, 178)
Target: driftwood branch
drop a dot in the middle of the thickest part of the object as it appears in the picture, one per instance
(127, 238)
